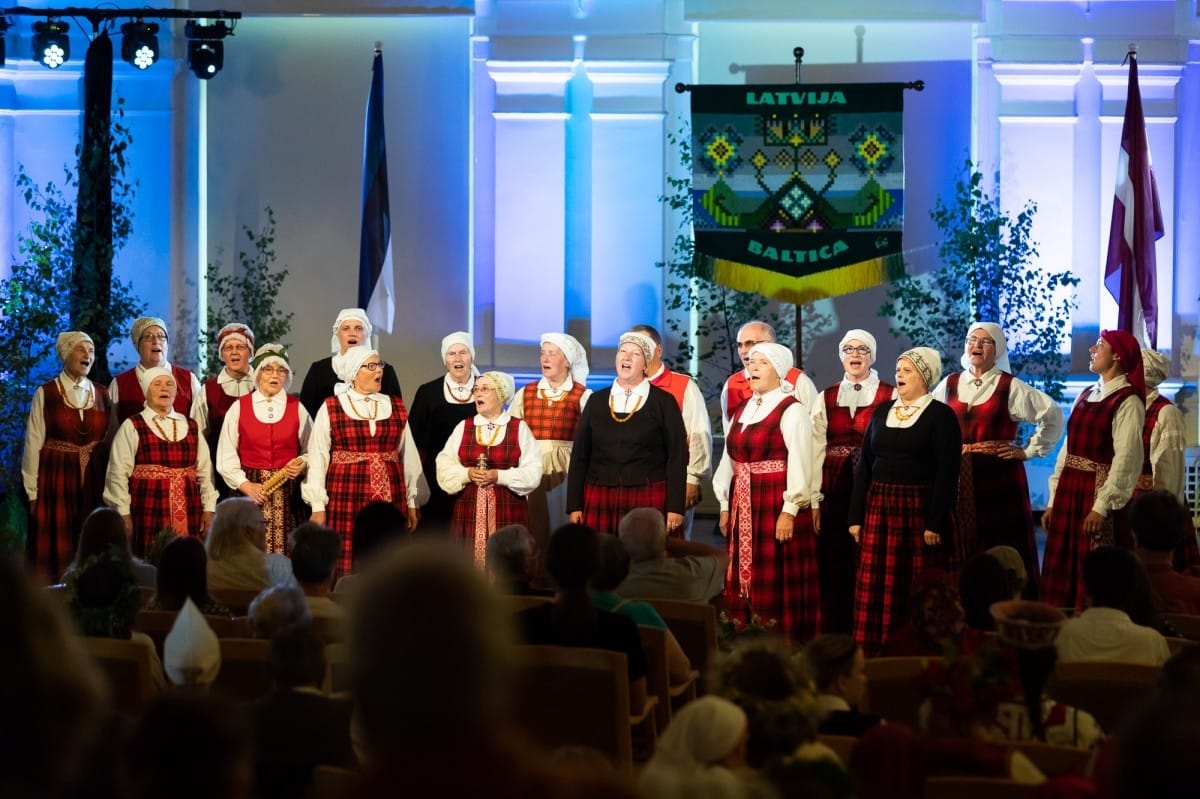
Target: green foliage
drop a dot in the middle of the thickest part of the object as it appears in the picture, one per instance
(249, 295)
(704, 314)
(988, 274)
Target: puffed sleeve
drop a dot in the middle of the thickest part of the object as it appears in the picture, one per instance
(35, 437)
(451, 474)
(1127, 457)
(229, 463)
(796, 426)
(699, 432)
(120, 468)
(204, 472)
(313, 489)
(527, 474)
(416, 486)
(1027, 404)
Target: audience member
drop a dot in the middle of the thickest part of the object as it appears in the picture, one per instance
(103, 529)
(839, 670)
(1105, 631)
(983, 581)
(277, 608)
(572, 558)
(296, 727)
(668, 569)
(1158, 750)
(54, 697)
(936, 620)
(702, 752)
(191, 650)
(1181, 673)
(183, 575)
(1157, 519)
(1014, 565)
(237, 549)
(512, 561)
(376, 525)
(315, 550)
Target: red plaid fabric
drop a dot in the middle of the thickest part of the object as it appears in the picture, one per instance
(362, 469)
(738, 391)
(131, 401)
(783, 582)
(604, 506)
(1187, 554)
(837, 554)
(893, 554)
(480, 512)
(993, 494)
(1089, 437)
(552, 421)
(150, 488)
(70, 479)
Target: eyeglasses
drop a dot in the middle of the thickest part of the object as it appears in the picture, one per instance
(373, 367)
(856, 350)
(272, 369)
(236, 346)
(745, 345)
(973, 341)
(153, 337)
(482, 390)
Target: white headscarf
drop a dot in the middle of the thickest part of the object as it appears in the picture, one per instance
(703, 732)
(1156, 366)
(191, 652)
(503, 383)
(864, 337)
(335, 346)
(460, 337)
(573, 351)
(997, 335)
(346, 366)
(927, 362)
(780, 357)
(148, 375)
(643, 342)
(68, 341)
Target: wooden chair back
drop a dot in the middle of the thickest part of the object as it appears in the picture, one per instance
(976, 788)
(243, 674)
(236, 599)
(157, 625)
(1187, 625)
(1053, 760)
(694, 625)
(892, 688)
(575, 696)
(1109, 690)
(658, 679)
(1178, 644)
(518, 603)
(127, 666)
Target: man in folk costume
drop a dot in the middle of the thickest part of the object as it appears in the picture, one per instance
(737, 391)
(1163, 445)
(551, 407)
(993, 492)
(235, 343)
(265, 433)
(1097, 468)
(149, 335)
(695, 421)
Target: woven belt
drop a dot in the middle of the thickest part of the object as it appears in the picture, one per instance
(985, 447)
(377, 474)
(1105, 536)
(842, 452)
(745, 522)
(485, 511)
(84, 451)
(176, 490)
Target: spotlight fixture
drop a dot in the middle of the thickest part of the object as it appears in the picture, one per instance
(206, 51)
(139, 43)
(51, 43)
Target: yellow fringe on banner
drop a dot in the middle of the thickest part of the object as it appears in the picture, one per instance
(801, 290)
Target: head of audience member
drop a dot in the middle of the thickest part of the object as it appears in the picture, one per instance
(779, 699)
(752, 333)
(643, 531)
(189, 747)
(935, 611)
(103, 532)
(511, 557)
(572, 557)
(705, 740)
(1158, 519)
(1180, 675)
(376, 524)
(53, 695)
(1029, 630)
(182, 574)
(315, 550)
(431, 650)
(1014, 566)
(963, 690)
(1158, 750)
(191, 652)
(1110, 577)
(297, 658)
(982, 582)
(838, 667)
(613, 567)
(277, 608)
(237, 527)
(104, 595)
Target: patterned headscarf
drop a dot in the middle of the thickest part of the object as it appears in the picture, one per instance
(276, 354)
(643, 342)
(927, 362)
(141, 323)
(237, 332)
(68, 341)
(1156, 366)
(503, 383)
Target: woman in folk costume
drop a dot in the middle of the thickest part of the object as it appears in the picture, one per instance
(491, 462)
(159, 471)
(848, 408)
(65, 454)
(902, 508)
(235, 343)
(762, 485)
(551, 408)
(361, 450)
(266, 433)
(630, 448)
(1096, 470)
(1163, 445)
(351, 328)
(993, 492)
(150, 339)
(437, 408)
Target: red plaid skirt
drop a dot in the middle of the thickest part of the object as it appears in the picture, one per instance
(893, 554)
(604, 506)
(1002, 514)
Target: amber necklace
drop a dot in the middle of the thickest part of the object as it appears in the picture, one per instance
(491, 442)
(551, 395)
(374, 408)
(456, 389)
(612, 408)
(904, 413)
(174, 428)
(87, 401)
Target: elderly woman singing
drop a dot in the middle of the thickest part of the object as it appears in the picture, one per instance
(492, 462)
(65, 454)
(762, 485)
(361, 450)
(159, 471)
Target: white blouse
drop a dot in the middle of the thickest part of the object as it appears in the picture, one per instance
(121, 459)
(1025, 404)
(268, 410)
(796, 426)
(520, 479)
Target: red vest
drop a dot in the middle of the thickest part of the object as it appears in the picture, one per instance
(267, 446)
(738, 391)
(131, 400)
(673, 383)
(987, 421)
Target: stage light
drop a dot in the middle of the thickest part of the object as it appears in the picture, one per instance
(139, 43)
(51, 43)
(206, 51)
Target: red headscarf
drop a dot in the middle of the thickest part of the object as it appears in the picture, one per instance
(1129, 351)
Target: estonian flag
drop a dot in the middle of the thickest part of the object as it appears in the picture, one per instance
(376, 285)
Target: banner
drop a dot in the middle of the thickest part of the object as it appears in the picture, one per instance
(376, 291)
(798, 191)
